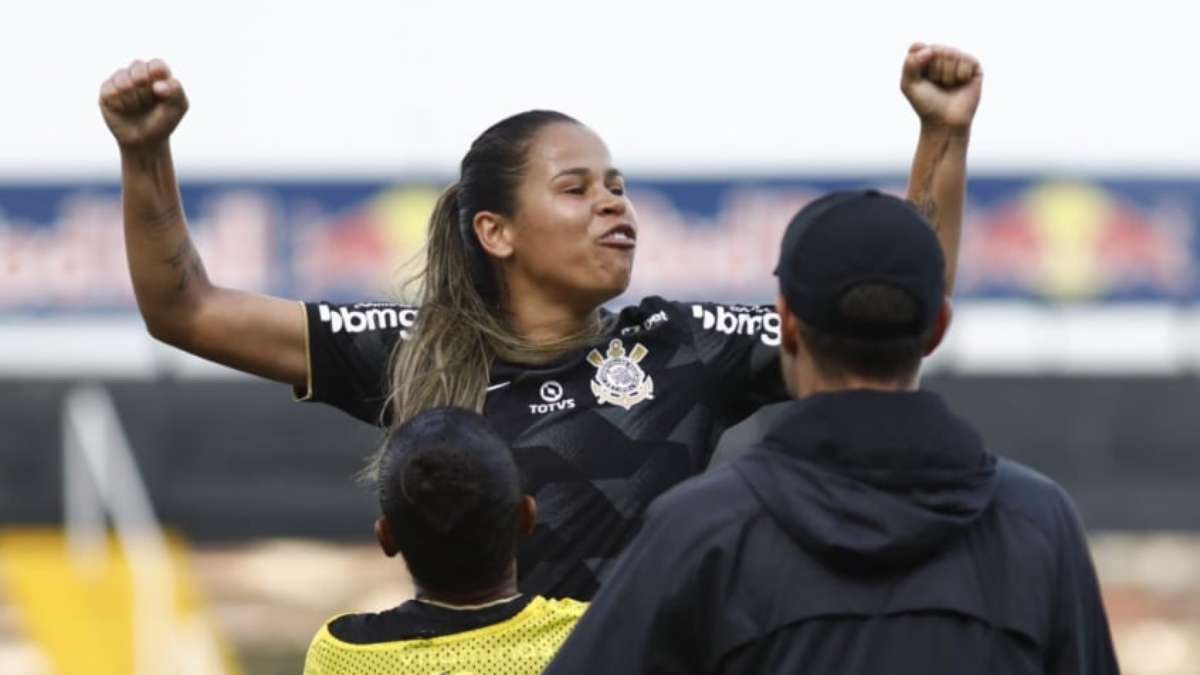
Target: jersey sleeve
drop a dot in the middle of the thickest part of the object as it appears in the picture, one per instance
(349, 351)
(739, 344)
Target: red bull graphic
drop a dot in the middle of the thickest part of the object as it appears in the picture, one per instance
(62, 249)
(72, 258)
(1076, 241)
(369, 250)
(727, 253)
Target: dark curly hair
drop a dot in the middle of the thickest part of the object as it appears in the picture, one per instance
(450, 490)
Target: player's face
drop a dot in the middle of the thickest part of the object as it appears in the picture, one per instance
(575, 230)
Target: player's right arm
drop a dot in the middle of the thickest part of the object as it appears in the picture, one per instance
(142, 104)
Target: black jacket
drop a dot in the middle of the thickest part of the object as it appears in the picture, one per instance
(869, 532)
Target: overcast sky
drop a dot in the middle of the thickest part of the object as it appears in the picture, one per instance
(284, 88)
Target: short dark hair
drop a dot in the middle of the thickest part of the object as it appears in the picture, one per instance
(450, 490)
(890, 360)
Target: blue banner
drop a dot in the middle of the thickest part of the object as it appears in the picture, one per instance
(62, 250)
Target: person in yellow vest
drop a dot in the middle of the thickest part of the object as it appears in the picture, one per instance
(452, 506)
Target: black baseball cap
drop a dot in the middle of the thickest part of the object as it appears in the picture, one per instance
(846, 239)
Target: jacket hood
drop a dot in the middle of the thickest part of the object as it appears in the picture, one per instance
(871, 480)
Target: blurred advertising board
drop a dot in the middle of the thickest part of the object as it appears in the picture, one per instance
(1026, 238)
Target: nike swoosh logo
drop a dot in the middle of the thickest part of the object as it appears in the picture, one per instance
(502, 385)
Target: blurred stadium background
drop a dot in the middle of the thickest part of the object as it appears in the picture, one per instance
(317, 142)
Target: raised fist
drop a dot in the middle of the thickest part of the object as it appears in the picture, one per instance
(142, 104)
(942, 84)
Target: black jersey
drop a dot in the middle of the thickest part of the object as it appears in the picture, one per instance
(599, 433)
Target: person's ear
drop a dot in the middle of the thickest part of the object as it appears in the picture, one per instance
(526, 516)
(789, 340)
(495, 234)
(945, 314)
(383, 534)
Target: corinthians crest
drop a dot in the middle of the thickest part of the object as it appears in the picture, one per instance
(619, 379)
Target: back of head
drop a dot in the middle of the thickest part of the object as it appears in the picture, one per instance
(893, 360)
(864, 274)
(450, 491)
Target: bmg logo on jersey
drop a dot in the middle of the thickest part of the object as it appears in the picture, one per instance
(368, 317)
(552, 399)
(741, 320)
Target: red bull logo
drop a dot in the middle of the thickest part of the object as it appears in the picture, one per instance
(367, 250)
(1077, 242)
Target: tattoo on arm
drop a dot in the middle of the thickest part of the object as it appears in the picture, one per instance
(924, 200)
(186, 263)
(927, 206)
(164, 220)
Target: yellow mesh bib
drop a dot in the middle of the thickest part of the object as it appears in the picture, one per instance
(523, 644)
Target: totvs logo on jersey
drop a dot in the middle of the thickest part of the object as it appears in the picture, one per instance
(551, 393)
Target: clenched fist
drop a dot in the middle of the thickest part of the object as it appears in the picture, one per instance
(142, 104)
(943, 85)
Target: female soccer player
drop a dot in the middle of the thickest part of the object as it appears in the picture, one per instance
(604, 411)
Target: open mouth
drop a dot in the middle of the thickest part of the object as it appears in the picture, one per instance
(621, 236)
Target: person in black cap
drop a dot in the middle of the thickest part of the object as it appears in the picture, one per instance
(871, 530)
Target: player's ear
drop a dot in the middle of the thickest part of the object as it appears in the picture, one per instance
(789, 340)
(526, 516)
(945, 314)
(495, 234)
(383, 534)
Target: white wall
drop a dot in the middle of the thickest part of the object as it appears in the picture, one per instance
(748, 86)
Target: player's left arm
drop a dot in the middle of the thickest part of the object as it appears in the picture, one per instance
(739, 346)
(943, 85)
